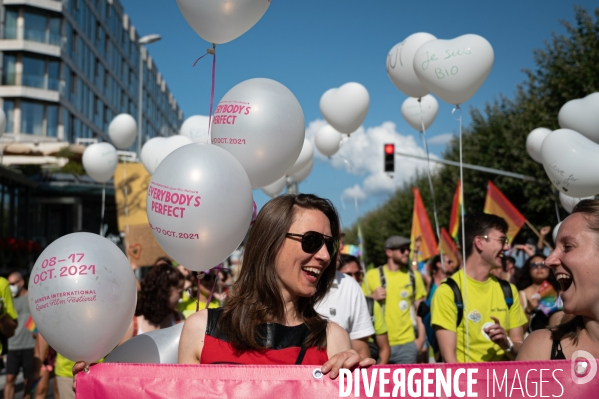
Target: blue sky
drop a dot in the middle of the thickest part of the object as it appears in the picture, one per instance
(311, 46)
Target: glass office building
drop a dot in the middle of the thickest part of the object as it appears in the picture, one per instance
(69, 66)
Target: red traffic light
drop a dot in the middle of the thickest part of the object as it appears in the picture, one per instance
(389, 149)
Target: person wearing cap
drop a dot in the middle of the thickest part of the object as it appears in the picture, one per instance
(489, 327)
(399, 290)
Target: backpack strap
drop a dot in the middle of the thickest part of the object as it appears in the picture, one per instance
(507, 292)
(382, 276)
(457, 295)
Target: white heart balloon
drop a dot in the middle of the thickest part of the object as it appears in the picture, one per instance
(420, 111)
(262, 124)
(571, 162)
(454, 69)
(304, 157)
(327, 140)
(154, 347)
(158, 148)
(122, 131)
(302, 174)
(570, 202)
(556, 230)
(100, 161)
(220, 21)
(345, 108)
(582, 116)
(400, 64)
(274, 189)
(196, 128)
(534, 142)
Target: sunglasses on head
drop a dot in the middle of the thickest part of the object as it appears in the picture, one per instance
(312, 241)
(536, 265)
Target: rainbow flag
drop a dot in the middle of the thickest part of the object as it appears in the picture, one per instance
(447, 246)
(548, 302)
(456, 210)
(30, 325)
(497, 204)
(421, 227)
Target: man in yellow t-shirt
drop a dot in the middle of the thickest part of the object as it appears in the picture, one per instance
(495, 329)
(400, 296)
(8, 314)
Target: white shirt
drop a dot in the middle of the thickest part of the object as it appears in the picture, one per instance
(345, 304)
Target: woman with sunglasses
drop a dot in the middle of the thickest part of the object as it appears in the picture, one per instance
(574, 263)
(269, 316)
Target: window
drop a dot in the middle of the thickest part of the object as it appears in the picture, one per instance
(9, 108)
(10, 26)
(32, 118)
(9, 71)
(34, 69)
(51, 120)
(53, 74)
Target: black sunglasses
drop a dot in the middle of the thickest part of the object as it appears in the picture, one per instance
(536, 265)
(312, 242)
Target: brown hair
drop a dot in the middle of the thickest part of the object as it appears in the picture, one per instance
(255, 297)
(574, 324)
(152, 302)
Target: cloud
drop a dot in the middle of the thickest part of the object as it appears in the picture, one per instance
(361, 154)
(441, 139)
(354, 193)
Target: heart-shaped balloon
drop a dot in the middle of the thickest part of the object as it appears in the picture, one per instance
(556, 230)
(100, 161)
(345, 108)
(122, 131)
(304, 157)
(274, 189)
(220, 21)
(581, 115)
(570, 160)
(196, 128)
(534, 142)
(570, 202)
(327, 140)
(400, 64)
(156, 149)
(454, 69)
(420, 111)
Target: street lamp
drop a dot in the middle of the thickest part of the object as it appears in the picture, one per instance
(147, 39)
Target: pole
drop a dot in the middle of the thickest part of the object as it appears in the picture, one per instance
(140, 100)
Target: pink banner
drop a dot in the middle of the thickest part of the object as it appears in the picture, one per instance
(494, 380)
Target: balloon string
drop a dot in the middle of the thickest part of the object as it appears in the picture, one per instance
(218, 269)
(462, 213)
(212, 89)
(102, 212)
(559, 220)
(126, 205)
(430, 183)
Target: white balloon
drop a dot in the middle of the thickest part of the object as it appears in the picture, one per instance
(454, 69)
(122, 131)
(302, 174)
(199, 205)
(582, 116)
(534, 142)
(220, 21)
(556, 230)
(100, 161)
(417, 112)
(400, 64)
(570, 202)
(262, 124)
(327, 140)
(196, 128)
(2, 122)
(304, 157)
(570, 160)
(156, 149)
(274, 189)
(154, 347)
(82, 296)
(345, 108)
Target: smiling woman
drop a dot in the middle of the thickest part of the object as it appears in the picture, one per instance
(269, 317)
(574, 262)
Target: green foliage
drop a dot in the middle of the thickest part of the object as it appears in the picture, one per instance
(565, 69)
(73, 167)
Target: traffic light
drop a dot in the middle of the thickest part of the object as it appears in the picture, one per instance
(389, 157)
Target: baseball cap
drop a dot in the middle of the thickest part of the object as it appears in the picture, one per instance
(394, 242)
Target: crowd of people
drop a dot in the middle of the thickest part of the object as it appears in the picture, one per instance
(292, 298)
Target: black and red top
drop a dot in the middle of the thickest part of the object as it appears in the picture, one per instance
(285, 346)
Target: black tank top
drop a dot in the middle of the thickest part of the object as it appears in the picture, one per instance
(556, 351)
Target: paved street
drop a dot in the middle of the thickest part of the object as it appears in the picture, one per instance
(19, 387)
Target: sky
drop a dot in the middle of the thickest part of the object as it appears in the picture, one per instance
(311, 46)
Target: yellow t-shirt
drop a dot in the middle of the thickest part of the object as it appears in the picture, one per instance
(397, 303)
(8, 308)
(485, 299)
(64, 367)
(380, 326)
(188, 305)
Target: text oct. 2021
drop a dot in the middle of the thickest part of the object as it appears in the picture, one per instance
(70, 266)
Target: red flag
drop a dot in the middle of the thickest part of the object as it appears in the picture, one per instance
(421, 227)
(497, 204)
(456, 209)
(448, 247)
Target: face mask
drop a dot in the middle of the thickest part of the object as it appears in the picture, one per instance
(14, 289)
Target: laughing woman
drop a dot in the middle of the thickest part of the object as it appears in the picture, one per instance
(269, 317)
(574, 264)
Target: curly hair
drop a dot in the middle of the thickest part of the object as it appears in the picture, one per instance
(153, 300)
